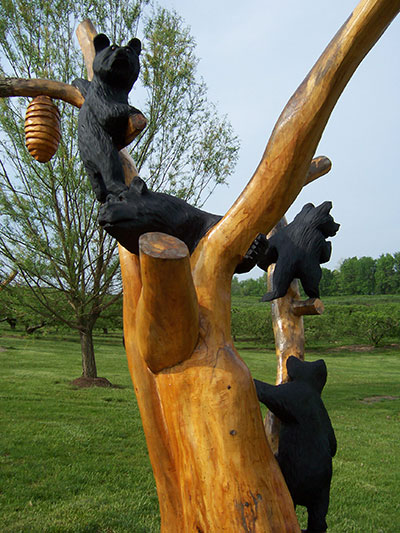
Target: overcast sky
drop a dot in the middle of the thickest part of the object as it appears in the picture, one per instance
(253, 56)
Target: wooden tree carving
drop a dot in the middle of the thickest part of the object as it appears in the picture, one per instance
(212, 464)
(213, 467)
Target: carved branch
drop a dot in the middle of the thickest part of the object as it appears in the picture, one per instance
(85, 33)
(282, 171)
(32, 87)
(168, 313)
(312, 306)
(8, 280)
(319, 167)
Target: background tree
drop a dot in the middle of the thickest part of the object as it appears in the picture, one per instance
(386, 278)
(329, 282)
(48, 228)
(348, 281)
(187, 149)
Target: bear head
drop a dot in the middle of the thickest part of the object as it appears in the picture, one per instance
(313, 373)
(318, 218)
(117, 66)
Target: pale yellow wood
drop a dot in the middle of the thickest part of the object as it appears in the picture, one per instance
(213, 467)
(85, 33)
(168, 312)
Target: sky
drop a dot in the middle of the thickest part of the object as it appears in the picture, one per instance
(253, 56)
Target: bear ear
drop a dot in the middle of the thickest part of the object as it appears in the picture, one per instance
(100, 42)
(139, 185)
(136, 45)
(325, 208)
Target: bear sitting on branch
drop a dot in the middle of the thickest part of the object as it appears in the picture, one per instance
(298, 249)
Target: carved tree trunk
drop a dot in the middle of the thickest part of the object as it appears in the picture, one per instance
(213, 467)
(212, 464)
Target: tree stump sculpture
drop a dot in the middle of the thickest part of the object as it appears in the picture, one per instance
(212, 464)
(213, 467)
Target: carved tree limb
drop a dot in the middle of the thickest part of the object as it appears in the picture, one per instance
(8, 280)
(281, 172)
(319, 167)
(165, 270)
(32, 87)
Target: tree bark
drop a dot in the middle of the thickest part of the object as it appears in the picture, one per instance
(89, 369)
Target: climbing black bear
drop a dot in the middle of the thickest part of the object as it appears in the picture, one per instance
(298, 249)
(140, 210)
(104, 115)
(307, 441)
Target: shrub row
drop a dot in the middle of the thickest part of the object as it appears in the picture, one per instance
(352, 323)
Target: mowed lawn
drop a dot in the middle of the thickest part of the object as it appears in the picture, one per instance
(75, 460)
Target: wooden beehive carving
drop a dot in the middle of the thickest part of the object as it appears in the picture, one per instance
(42, 128)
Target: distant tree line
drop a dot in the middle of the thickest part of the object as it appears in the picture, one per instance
(354, 276)
(363, 275)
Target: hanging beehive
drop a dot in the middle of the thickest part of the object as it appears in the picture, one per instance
(42, 128)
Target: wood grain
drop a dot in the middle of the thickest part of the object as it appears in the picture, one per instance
(167, 333)
(212, 464)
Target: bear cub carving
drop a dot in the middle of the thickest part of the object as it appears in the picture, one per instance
(140, 210)
(307, 441)
(103, 117)
(298, 249)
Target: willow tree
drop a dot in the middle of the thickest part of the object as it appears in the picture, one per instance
(48, 229)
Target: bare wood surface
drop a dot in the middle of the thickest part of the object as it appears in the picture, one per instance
(85, 33)
(319, 167)
(32, 87)
(168, 312)
(213, 467)
(311, 306)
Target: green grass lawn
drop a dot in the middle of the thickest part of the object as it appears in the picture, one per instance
(75, 460)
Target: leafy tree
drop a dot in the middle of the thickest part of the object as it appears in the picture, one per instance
(386, 278)
(366, 275)
(187, 149)
(236, 288)
(329, 282)
(254, 287)
(348, 280)
(396, 257)
(48, 228)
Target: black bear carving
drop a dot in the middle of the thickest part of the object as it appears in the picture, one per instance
(103, 117)
(298, 249)
(307, 441)
(140, 210)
